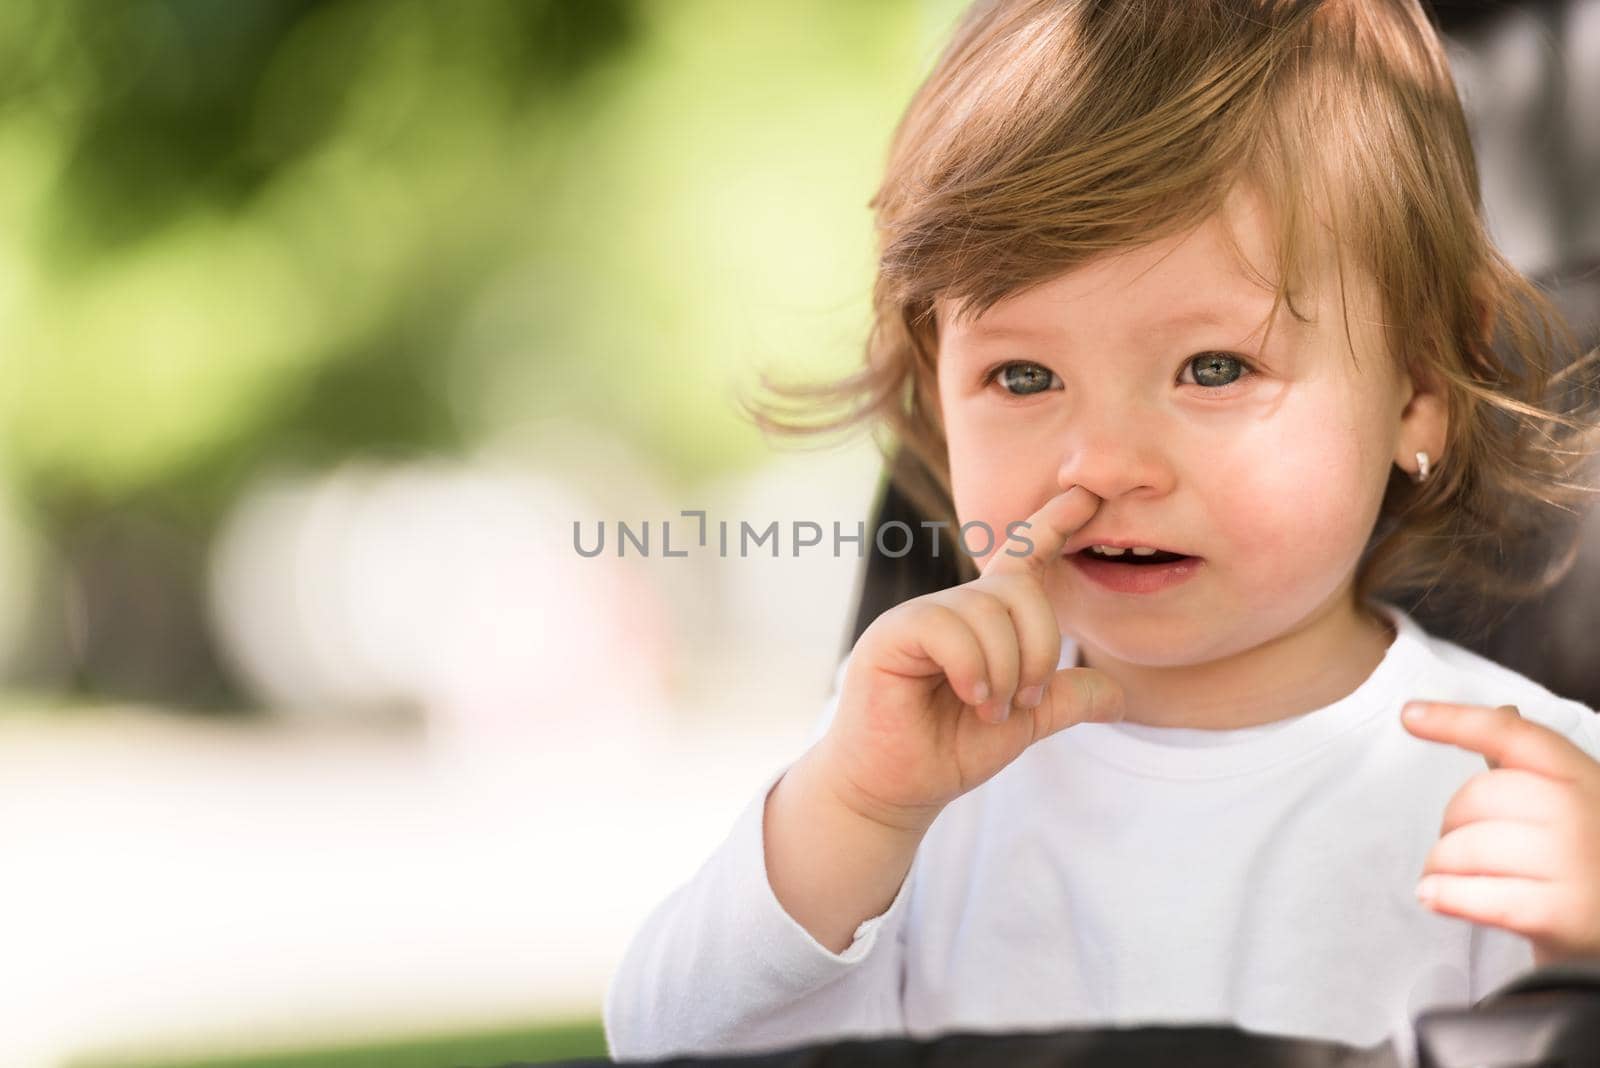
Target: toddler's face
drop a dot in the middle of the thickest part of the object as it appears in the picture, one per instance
(1143, 377)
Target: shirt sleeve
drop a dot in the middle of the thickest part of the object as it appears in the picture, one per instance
(720, 967)
(1585, 730)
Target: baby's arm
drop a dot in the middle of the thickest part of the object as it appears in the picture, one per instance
(755, 952)
(938, 695)
(829, 867)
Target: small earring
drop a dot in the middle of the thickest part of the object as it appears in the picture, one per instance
(1422, 468)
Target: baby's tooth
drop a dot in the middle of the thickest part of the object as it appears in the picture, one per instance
(1143, 550)
(1107, 550)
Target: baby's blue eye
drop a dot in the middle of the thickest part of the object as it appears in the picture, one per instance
(1213, 369)
(1022, 379)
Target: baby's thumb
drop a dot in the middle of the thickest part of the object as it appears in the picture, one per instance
(1078, 695)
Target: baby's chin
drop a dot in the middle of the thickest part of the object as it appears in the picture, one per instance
(1150, 643)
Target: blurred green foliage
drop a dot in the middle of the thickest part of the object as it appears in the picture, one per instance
(248, 228)
(282, 230)
(261, 234)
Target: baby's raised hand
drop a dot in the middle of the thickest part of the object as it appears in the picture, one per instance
(1520, 844)
(945, 690)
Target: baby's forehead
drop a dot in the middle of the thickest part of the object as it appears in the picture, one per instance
(1228, 269)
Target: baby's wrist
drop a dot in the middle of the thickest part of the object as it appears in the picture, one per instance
(835, 788)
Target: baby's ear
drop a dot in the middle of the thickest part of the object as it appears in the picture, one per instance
(1425, 419)
(1426, 378)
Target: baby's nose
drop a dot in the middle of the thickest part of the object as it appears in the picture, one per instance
(1111, 460)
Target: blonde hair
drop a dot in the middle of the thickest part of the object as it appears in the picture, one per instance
(1053, 131)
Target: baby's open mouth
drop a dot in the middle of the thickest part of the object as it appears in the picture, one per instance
(1131, 556)
(1137, 570)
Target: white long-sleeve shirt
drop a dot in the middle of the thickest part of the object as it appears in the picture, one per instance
(1122, 875)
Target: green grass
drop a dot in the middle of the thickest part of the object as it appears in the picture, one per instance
(551, 1042)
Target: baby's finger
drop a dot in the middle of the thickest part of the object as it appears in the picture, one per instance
(1500, 735)
(1038, 633)
(1505, 794)
(990, 619)
(1034, 545)
(1078, 695)
(934, 639)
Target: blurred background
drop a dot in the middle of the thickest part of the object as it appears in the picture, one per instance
(321, 326)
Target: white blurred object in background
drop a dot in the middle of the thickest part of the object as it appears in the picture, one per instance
(439, 588)
(783, 619)
(589, 730)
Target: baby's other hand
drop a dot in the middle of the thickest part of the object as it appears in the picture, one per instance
(1520, 844)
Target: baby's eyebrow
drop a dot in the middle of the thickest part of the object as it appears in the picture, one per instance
(1205, 315)
(1002, 332)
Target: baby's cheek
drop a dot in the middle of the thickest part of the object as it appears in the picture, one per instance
(989, 497)
(984, 520)
(1300, 519)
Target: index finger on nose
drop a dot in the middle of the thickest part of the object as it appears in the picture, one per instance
(1036, 542)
